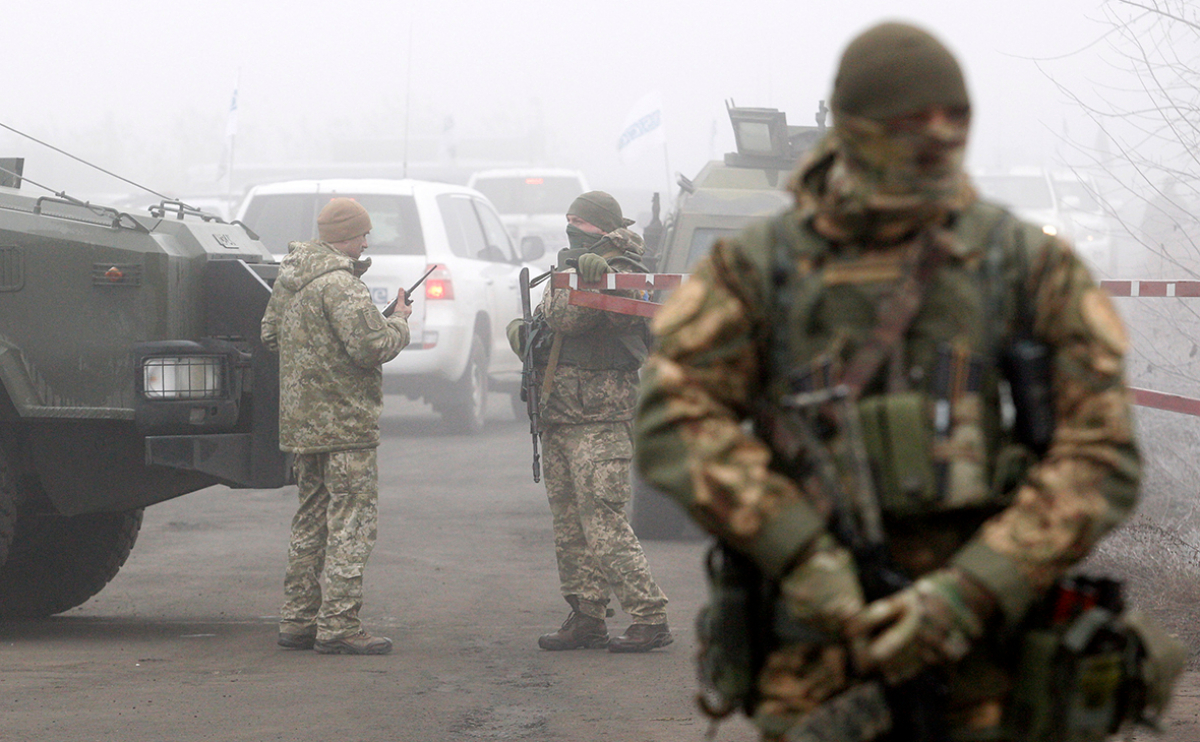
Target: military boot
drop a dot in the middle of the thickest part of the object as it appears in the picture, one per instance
(642, 637)
(579, 631)
(360, 643)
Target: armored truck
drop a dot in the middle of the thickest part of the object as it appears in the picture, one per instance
(130, 373)
(724, 198)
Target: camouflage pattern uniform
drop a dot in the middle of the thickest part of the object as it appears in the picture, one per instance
(331, 341)
(1013, 534)
(587, 412)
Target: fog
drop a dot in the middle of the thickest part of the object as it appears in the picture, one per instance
(144, 88)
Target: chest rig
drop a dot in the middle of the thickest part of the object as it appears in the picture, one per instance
(938, 315)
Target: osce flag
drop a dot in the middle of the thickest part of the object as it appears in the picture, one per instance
(643, 129)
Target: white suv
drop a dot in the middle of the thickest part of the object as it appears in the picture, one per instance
(459, 349)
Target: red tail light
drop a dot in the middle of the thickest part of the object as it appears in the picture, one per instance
(438, 285)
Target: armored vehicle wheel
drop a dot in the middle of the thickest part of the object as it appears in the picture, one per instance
(8, 514)
(467, 408)
(55, 562)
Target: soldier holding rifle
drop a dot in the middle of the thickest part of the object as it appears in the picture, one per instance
(587, 384)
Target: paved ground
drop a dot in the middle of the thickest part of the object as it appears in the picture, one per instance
(180, 647)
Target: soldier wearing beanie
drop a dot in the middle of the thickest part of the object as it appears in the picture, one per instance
(332, 342)
(839, 367)
(588, 389)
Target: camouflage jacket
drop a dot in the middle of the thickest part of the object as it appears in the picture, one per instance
(584, 393)
(713, 364)
(331, 342)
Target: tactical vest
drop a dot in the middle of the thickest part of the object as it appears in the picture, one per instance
(604, 351)
(935, 417)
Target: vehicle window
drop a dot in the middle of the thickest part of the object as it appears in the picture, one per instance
(1017, 191)
(282, 218)
(530, 195)
(702, 242)
(395, 226)
(499, 247)
(462, 225)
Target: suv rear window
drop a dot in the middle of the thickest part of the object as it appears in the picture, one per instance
(281, 218)
(530, 195)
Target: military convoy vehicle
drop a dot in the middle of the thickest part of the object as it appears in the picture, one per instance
(130, 373)
(725, 197)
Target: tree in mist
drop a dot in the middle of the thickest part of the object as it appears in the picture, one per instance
(1143, 95)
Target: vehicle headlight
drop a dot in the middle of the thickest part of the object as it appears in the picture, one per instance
(1050, 229)
(183, 377)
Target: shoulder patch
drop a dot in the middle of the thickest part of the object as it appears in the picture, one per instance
(371, 319)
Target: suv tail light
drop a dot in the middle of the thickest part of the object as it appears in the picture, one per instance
(439, 286)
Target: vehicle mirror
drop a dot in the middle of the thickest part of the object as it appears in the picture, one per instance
(532, 247)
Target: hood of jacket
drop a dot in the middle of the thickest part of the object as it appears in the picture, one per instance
(307, 261)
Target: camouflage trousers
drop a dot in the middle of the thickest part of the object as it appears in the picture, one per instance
(333, 532)
(587, 480)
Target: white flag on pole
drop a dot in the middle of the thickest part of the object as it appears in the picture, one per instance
(644, 128)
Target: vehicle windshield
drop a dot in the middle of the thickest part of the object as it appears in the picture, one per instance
(282, 218)
(1017, 191)
(702, 241)
(530, 195)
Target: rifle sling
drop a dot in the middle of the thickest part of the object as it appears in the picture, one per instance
(896, 315)
(552, 364)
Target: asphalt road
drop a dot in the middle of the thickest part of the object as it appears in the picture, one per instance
(181, 645)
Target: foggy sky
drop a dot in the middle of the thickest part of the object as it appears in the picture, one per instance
(143, 88)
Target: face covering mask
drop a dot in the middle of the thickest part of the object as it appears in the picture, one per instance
(580, 240)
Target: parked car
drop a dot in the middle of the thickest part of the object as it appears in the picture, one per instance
(1062, 202)
(532, 201)
(459, 351)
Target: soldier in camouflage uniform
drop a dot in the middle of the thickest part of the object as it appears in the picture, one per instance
(331, 341)
(589, 390)
(981, 524)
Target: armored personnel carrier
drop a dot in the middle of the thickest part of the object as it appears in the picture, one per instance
(724, 198)
(130, 373)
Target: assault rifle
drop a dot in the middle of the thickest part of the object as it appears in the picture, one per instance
(529, 384)
(408, 300)
(914, 709)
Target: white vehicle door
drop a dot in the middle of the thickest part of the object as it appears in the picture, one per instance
(502, 276)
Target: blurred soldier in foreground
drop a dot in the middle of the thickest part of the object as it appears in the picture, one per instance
(829, 396)
(331, 342)
(588, 389)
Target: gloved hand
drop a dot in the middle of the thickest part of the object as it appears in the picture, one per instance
(823, 591)
(516, 336)
(931, 622)
(592, 267)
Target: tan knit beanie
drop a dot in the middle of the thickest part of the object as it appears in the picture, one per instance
(343, 219)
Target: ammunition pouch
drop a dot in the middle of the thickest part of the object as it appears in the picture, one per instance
(1087, 669)
(898, 440)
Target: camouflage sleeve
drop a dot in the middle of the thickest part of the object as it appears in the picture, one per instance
(269, 333)
(1087, 483)
(369, 337)
(697, 390)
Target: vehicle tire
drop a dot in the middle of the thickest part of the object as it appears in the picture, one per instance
(57, 562)
(656, 517)
(8, 512)
(466, 409)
